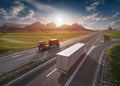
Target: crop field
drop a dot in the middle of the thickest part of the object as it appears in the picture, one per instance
(112, 35)
(11, 42)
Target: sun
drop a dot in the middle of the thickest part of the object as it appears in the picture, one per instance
(59, 20)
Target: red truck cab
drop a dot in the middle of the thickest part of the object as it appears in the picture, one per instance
(52, 42)
(41, 45)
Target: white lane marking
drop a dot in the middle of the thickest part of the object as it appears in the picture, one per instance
(51, 72)
(30, 72)
(46, 52)
(90, 50)
(16, 55)
(21, 52)
(76, 70)
(26, 51)
(27, 56)
(98, 68)
(31, 51)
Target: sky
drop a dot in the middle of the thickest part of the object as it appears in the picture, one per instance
(92, 14)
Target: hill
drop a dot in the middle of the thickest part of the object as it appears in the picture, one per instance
(38, 27)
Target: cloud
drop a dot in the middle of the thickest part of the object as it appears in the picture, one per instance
(7, 17)
(94, 17)
(17, 8)
(14, 11)
(91, 21)
(115, 14)
(30, 16)
(92, 6)
(116, 24)
(3, 12)
(41, 6)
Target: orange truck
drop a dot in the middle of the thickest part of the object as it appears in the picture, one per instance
(52, 42)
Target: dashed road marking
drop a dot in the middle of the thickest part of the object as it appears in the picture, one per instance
(51, 72)
(16, 55)
(31, 51)
(27, 56)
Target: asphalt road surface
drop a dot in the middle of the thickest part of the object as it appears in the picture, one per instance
(17, 59)
(82, 75)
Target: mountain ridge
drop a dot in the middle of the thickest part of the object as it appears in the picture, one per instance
(38, 26)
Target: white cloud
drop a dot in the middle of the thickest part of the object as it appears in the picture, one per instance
(29, 16)
(116, 14)
(42, 7)
(94, 17)
(91, 21)
(14, 13)
(15, 10)
(48, 13)
(3, 12)
(7, 17)
(89, 8)
(116, 24)
(92, 6)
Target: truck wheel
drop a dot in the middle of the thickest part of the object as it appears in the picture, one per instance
(39, 49)
(58, 45)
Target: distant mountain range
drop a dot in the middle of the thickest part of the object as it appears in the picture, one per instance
(12, 25)
(37, 26)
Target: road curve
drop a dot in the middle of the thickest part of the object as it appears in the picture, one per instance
(87, 73)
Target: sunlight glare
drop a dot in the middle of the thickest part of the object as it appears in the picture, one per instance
(59, 21)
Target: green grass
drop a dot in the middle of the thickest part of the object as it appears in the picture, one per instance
(114, 56)
(111, 35)
(114, 67)
(11, 42)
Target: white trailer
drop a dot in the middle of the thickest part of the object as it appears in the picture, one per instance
(67, 58)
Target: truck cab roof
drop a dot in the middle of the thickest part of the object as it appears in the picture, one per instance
(53, 39)
(40, 42)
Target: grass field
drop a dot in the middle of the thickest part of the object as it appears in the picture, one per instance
(111, 35)
(114, 67)
(11, 42)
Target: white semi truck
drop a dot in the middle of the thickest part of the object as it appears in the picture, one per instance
(67, 58)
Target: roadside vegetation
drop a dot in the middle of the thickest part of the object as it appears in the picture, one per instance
(111, 35)
(11, 42)
(113, 54)
(114, 66)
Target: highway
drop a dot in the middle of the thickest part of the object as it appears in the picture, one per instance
(82, 75)
(17, 59)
